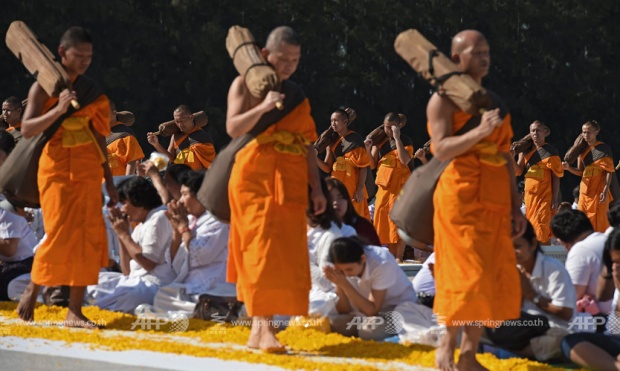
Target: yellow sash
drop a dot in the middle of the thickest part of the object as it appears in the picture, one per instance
(184, 155)
(535, 171)
(286, 142)
(489, 154)
(591, 170)
(342, 164)
(77, 133)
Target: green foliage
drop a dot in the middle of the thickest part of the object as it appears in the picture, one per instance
(552, 60)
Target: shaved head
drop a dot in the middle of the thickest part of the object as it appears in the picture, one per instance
(465, 39)
(279, 35)
(183, 109)
(74, 36)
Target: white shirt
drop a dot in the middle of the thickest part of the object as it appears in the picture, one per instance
(584, 262)
(154, 236)
(381, 272)
(207, 254)
(551, 280)
(424, 280)
(319, 241)
(15, 226)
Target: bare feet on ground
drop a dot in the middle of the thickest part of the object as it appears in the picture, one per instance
(444, 359)
(25, 308)
(469, 363)
(80, 321)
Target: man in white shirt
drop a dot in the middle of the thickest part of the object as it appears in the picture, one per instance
(585, 251)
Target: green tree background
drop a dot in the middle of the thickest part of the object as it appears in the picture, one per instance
(552, 60)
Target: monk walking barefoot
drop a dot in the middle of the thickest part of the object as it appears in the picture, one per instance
(71, 169)
(268, 192)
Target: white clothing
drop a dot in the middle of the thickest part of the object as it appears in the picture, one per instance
(424, 280)
(15, 226)
(347, 230)
(36, 225)
(551, 280)
(584, 264)
(124, 293)
(319, 240)
(381, 272)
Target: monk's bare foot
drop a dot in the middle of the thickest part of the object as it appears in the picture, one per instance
(25, 308)
(79, 320)
(254, 340)
(444, 358)
(268, 341)
(469, 363)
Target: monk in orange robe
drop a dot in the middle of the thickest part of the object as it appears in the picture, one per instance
(124, 151)
(268, 192)
(348, 161)
(71, 169)
(543, 170)
(392, 157)
(191, 146)
(595, 167)
(12, 116)
(476, 196)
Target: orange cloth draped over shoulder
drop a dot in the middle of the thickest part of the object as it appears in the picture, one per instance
(17, 126)
(123, 151)
(590, 189)
(197, 155)
(69, 178)
(391, 177)
(539, 191)
(475, 269)
(268, 191)
(346, 168)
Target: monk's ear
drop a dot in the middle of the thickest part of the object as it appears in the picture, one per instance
(264, 52)
(62, 51)
(456, 58)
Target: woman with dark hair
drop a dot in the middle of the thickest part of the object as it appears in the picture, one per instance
(322, 229)
(547, 290)
(595, 350)
(346, 213)
(368, 281)
(142, 252)
(348, 161)
(168, 187)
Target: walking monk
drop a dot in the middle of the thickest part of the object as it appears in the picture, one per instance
(476, 195)
(595, 167)
(71, 169)
(347, 161)
(543, 170)
(124, 151)
(268, 191)
(192, 146)
(392, 157)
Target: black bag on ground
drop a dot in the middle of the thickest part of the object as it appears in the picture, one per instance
(217, 308)
(516, 337)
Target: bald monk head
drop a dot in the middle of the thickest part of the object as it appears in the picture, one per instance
(471, 53)
(183, 118)
(76, 51)
(283, 51)
(539, 132)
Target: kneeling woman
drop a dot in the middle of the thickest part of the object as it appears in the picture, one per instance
(369, 283)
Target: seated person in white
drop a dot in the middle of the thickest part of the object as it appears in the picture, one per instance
(199, 250)
(548, 291)
(370, 287)
(424, 282)
(321, 231)
(17, 242)
(142, 253)
(584, 259)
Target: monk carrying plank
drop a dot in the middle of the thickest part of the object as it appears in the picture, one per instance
(476, 195)
(191, 146)
(124, 151)
(543, 169)
(595, 167)
(71, 168)
(268, 192)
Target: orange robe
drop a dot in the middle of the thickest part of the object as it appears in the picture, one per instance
(69, 179)
(346, 168)
(391, 177)
(194, 149)
(539, 190)
(17, 126)
(475, 269)
(268, 191)
(123, 151)
(592, 184)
